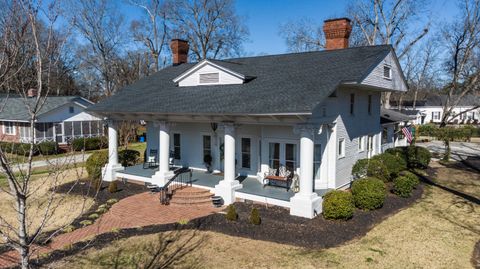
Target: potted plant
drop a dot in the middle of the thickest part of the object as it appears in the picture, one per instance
(207, 159)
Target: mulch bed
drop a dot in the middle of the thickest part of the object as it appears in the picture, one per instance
(279, 226)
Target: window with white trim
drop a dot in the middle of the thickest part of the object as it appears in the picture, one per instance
(436, 115)
(291, 157)
(209, 78)
(71, 110)
(341, 147)
(387, 72)
(8, 128)
(274, 155)
(361, 143)
(207, 146)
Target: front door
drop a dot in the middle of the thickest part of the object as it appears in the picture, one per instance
(58, 133)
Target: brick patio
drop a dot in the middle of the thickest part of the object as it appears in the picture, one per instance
(135, 211)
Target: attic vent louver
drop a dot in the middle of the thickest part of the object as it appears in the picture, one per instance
(209, 78)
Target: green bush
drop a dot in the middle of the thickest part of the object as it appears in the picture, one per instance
(403, 186)
(112, 187)
(370, 168)
(48, 148)
(378, 170)
(359, 169)
(86, 222)
(68, 229)
(128, 157)
(93, 216)
(231, 213)
(112, 201)
(89, 143)
(338, 204)
(412, 177)
(414, 156)
(255, 217)
(94, 165)
(393, 163)
(368, 193)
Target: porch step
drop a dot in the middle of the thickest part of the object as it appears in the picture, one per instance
(191, 196)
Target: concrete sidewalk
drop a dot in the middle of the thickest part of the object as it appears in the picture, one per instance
(61, 161)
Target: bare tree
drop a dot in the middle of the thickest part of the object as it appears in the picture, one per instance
(152, 31)
(462, 40)
(31, 219)
(212, 27)
(101, 25)
(302, 35)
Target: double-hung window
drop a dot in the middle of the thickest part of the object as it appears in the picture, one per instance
(352, 103)
(369, 109)
(274, 155)
(8, 128)
(341, 147)
(361, 143)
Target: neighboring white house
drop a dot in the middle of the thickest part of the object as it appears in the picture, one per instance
(430, 110)
(315, 113)
(61, 119)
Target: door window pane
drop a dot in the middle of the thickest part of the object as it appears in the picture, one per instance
(176, 146)
(274, 155)
(290, 157)
(207, 145)
(317, 160)
(246, 153)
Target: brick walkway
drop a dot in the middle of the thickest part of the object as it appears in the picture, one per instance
(135, 211)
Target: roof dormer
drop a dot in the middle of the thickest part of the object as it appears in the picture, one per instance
(208, 73)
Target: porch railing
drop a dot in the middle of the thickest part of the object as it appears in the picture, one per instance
(182, 178)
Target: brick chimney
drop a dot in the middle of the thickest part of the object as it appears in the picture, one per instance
(31, 93)
(337, 32)
(179, 51)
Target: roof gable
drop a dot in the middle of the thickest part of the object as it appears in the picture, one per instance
(377, 76)
(218, 75)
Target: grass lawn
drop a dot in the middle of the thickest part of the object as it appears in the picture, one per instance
(67, 207)
(439, 231)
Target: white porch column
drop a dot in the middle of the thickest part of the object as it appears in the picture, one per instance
(306, 202)
(112, 165)
(163, 174)
(226, 188)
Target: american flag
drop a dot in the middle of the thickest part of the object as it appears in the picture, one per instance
(407, 133)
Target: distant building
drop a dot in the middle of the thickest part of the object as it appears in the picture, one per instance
(61, 119)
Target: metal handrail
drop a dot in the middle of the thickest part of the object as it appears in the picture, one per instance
(182, 178)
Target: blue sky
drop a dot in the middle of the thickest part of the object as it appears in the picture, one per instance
(264, 17)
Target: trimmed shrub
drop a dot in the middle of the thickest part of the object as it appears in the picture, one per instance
(93, 216)
(112, 187)
(231, 213)
(369, 193)
(359, 169)
(255, 217)
(68, 229)
(94, 166)
(112, 201)
(403, 186)
(48, 148)
(128, 157)
(412, 177)
(89, 143)
(338, 204)
(393, 163)
(101, 211)
(86, 222)
(378, 170)
(414, 156)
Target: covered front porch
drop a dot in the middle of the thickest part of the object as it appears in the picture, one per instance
(251, 189)
(241, 151)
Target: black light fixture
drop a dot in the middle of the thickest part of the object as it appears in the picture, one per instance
(214, 126)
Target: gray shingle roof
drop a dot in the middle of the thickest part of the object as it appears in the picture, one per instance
(439, 100)
(389, 116)
(287, 83)
(14, 107)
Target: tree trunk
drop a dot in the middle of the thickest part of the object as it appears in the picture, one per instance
(22, 232)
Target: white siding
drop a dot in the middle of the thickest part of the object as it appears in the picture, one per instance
(63, 114)
(376, 78)
(193, 78)
(427, 111)
(351, 127)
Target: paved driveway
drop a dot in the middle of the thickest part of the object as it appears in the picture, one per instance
(460, 150)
